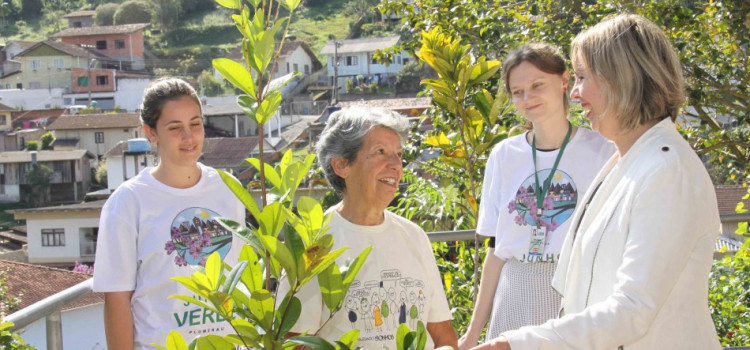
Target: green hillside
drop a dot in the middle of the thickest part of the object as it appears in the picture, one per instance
(199, 30)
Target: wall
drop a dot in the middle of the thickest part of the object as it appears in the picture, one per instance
(82, 329)
(364, 65)
(94, 74)
(87, 140)
(47, 75)
(129, 93)
(32, 99)
(133, 51)
(115, 169)
(71, 222)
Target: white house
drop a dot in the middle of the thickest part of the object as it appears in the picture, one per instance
(97, 133)
(82, 325)
(126, 160)
(355, 57)
(62, 235)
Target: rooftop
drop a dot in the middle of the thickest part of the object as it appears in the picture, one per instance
(728, 196)
(85, 206)
(34, 283)
(394, 104)
(84, 13)
(68, 49)
(103, 30)
(42, 156)
(361, 45)
(227, 152)
(96, 121)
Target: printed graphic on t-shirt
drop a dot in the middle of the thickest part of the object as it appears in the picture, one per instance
(195, 235)
(377, 308)
(557, 206)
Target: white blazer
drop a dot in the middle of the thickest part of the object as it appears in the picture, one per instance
(634, 274)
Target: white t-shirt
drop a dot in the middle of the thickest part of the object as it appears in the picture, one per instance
(150, 232)
(507, 207)
(399, 283)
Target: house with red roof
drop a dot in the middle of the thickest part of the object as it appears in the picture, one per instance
(82, 324)
(121, 44)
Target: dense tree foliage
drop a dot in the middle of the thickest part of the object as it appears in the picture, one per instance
(133, 11)
(105, 14)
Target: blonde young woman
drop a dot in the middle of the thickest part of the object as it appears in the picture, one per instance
(532, 184)
(634, 268)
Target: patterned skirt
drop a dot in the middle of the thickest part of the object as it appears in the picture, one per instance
(524, 297)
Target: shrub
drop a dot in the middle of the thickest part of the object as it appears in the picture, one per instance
(133, 11)
(105, 14)
(209, 84)
(32, 145)
(47, 140)
(101, 173)
(408, 78)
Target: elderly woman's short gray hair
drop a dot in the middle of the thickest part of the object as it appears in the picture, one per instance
(345, 132)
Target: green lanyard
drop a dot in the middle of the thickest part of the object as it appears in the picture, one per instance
(541, 192)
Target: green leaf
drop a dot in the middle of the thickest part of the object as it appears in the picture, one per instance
(262, 308)
(321, 264)
(234, 277)
(281, 253)
(311, 213)
(271, 220)
(290, 5)
(312, 342)
(223, 304)
(252, 277)
(420, 338)
(191, 285)
(331, 287)
(271, 175)
(298, 225)
(240, 231)
(214, 270)
(236, 187)
(213, 342)
(248, 105)
(296, 246)
(350, 271)
(230, 4)
(268, 107)
(175, 341)
(290, 310)
(404, 337)
(483, 70)
(350, 338)
(193, 301)
(236, 74)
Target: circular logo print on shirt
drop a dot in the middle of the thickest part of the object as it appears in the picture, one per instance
(195, 235)
(557, 206)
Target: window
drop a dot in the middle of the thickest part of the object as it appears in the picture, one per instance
(101, 45)
(35, 64)
(19, 86)
(307, 69)
(77, 24)
(119, 43)
(351, 60)
(406, 60)
(398, 59)
(373, 60)
(99, 137)
(53, 237)
(2, 183)
(287, 68)
(296, 68)
(2, 122)
(35, 85)
(83, 81)
(59, 63)
(102, 80)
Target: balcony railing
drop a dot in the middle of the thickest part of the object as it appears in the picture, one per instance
(50, 307)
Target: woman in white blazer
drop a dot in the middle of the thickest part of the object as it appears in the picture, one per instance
(634, 268)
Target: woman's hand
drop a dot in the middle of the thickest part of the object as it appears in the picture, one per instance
(496, 344)
(468, 340)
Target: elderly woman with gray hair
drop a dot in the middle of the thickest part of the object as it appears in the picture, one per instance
(360, 153)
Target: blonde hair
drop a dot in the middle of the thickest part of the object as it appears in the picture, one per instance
(637, 65)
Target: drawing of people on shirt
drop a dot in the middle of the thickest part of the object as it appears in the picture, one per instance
(366, 316)
(402, 308)
(376, 312)
(351, 308)
(413, 312)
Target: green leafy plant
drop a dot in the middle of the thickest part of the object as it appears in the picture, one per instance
(10, 340)
(245, 296)
(729, 290)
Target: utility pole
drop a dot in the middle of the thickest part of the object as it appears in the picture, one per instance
(91, 61)
(336, 45)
